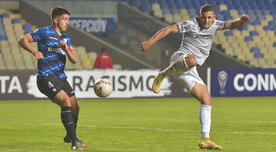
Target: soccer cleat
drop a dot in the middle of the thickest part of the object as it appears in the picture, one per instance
(156, 86)
(77, 145)
(206, 143)
(68, 140)
(82, 143)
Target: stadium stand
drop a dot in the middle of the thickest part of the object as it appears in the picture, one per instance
(254, 43)
(13, 57)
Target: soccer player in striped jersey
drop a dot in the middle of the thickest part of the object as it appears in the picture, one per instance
(196, 43)
(53, 47)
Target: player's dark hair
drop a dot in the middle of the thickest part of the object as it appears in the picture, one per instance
(57, 11)
(206, 8)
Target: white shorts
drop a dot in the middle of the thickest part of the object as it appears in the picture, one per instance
(188, 78)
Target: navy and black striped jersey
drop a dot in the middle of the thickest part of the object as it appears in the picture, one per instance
(54, 59)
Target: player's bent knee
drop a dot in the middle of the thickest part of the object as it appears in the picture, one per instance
(207, 100)
(76, 109)
(190, 60)
(66, 103)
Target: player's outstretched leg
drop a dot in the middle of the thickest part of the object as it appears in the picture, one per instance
(201, 92)
(182, 64)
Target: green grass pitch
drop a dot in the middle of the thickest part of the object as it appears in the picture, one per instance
(140, 125)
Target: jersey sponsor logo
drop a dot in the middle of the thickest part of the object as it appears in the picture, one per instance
(200, 36)
(52, 38)
(209, 36)
(185, 26)
(56, 50)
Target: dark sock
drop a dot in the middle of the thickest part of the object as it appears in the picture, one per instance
(68, 122)
(76, 118)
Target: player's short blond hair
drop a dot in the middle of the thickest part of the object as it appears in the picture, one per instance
(206, 8)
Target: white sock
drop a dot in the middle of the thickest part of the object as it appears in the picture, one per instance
(205, 120)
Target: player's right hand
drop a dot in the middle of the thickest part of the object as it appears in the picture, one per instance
(38, 55)
(145, 46)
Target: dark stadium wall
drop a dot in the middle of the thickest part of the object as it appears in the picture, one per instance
(9, 5)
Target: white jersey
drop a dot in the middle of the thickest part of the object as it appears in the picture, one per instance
(197, 41)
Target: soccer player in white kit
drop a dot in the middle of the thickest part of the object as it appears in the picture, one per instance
(196, 44)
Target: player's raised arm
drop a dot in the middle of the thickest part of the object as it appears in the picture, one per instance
(25, 41)
(159, 35)
(238, 22)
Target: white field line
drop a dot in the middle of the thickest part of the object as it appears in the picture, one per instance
(153, 129)
(169, 129)
(178, 120)
(106, 119)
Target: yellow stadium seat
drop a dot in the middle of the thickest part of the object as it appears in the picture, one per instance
(168, 18)
(12, 16)
(86, 63)
(5, 11)
(184, 12)
(251, 28)
(177, 18)
(223, 7)
(157, 10)
(234, 13)
(117, 67)
(269, 18)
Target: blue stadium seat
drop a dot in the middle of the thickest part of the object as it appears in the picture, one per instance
(136, 2)
(248, 39)
(255, 50)
(166, 11)
(5, 15)
(16, 21)
(228, 33)
(146, 8)
(2, 31)
(266, 28)
(27, 28)
(253, 33)
(257, 53)
(274, 44)
(256, 22)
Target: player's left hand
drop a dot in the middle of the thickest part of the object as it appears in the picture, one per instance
(245, 18)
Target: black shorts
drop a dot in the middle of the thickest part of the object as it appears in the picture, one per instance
(50, 86)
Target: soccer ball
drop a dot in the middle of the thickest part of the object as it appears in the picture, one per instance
(103, 88)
